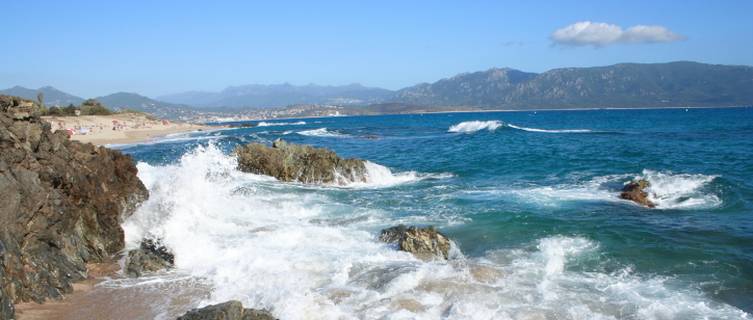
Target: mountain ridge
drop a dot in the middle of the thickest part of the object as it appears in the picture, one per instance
(52, 96)
(283, 94)
(680, 83)
(622, 85)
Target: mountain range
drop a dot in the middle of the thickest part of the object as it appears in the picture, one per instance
(279, 95)
(674, 84)
(52, 96)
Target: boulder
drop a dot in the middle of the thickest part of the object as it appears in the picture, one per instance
(231, 310)
(151, 256)
(424, 243)
(301, 163)
(61, 206)
(635, 191)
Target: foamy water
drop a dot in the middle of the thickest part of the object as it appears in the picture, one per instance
(322, 132)
(668, 190)
(474, 126)
(260, 241)
(272, 124)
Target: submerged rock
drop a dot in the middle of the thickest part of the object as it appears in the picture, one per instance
(301, 163)
(231, 310)
(61, 206)
(151, 256)
(635, 191)
(424, 243)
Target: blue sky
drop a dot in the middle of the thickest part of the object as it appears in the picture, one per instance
(92, 48)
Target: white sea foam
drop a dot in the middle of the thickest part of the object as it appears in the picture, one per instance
(549, 130)
(680, 191)
(379, 176)
(271, 124)
(262, 242)
(668, 190)
(474, 126)
(322, 132)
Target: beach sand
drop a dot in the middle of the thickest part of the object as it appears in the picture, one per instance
(118, 128)
(98, 298)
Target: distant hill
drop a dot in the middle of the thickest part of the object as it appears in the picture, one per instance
(278, 95)
(134, 101)
(675, 84)
(52, 96)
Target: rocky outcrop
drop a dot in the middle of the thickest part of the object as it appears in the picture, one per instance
(301, 163)
(635, 191)
(231, 310)
(151, 256)
(61, 206)
(424, 243)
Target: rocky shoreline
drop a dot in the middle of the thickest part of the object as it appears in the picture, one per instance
(62, 206)
(64, 201)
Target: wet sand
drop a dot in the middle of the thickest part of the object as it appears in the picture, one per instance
(108, 295)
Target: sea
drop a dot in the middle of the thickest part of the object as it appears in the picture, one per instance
(530, 200)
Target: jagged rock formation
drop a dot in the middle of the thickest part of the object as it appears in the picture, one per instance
(231, 310)
(151, 256)
(635, 191)
(424, 243)
(293, 162)
(61, 206)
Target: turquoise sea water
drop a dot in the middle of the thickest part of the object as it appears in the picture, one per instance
(529, 198)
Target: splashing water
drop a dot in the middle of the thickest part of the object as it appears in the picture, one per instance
(257, 240)
(474, 126)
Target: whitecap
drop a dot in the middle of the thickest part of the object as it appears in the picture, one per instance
(271, 124)
(680, 190)
(668, 191)
(322, 132)
(474, 126)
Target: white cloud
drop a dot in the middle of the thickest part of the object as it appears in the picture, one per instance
(599, 34)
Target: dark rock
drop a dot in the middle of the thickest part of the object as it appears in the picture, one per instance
(151, 256)
(302, 163)
(424, 243)
(635, 191)
(61, 206)
(231, 310)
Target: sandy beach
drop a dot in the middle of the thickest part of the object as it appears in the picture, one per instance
(118, 128)
(92, 300)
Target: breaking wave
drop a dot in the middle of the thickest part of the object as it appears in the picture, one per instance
(379, 176)
(271, 124)
(679, 191)
(668, 190)
(474, 126)
(322, 132)
(549, 130)
(256, 240)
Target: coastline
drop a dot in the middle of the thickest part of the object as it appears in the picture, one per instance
(469, 111)
(123, 128)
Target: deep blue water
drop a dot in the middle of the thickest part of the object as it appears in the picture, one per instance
(505, 189)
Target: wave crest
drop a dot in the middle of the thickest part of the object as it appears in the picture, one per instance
(322, 132)
(271, 124)
(679, 191)
(474, 126)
